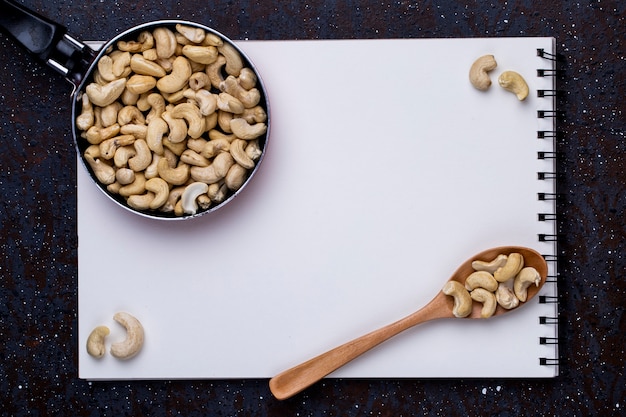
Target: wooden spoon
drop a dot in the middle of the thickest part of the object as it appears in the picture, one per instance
(296, 379)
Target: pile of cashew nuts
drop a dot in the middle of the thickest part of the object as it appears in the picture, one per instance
(503, 281)
(125, 349)
(509, 80)
(173, 120)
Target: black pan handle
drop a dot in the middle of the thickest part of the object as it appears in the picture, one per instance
(47, 40)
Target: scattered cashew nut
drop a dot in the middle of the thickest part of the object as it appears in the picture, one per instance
(515, 83)
(95, 341)
(479, 72)
(133, 343)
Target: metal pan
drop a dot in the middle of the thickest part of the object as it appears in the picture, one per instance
(78, 63)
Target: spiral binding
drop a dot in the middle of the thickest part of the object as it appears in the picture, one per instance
(555, 136)
(548, 320)
(548, 299)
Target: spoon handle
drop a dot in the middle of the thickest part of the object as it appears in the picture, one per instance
(296, 379)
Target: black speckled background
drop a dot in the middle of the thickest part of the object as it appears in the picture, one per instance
(38, 265)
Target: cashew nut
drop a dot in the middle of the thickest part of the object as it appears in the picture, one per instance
(491, 266)
(487, 298)
(253, 150)
(143, 156)
(140, 202)
(138, 131)
(133, 343)
(195, 35)
(144, 42)
(177, 127)
(154, 136)
(212, 39)
(125, 176)
(526, 277)
(191, 193)
(122, 155)
(105, 68)
(161, 190)
(514, 264)
(143, 66)
(134, 188)
(193, 117)
(108, 114)
(234, 63)
(254, 115)
(130, 114)
(214, 71)
(204, 99)
(178, 78)
(214, 172)
(103, 95)
(229, 103)
(121, 63)
(152, 171)
(109, 146)
(249, 98)
(201, 54)
(214, 147)
(129, 98)
(139, 84)
(175, 176)
(86, 118)
(244, 130)
(479, 72)
(505, 295)
(95, 341)
(515, 83)
(96, 135)
(247, 78)
(238, 151)
(103, 172)
(481, 279)
(462, 300)
(223, 120)
(235, 177)
(156, 103)
(218, 191)
(193, 158)
(165, 42)
(199, 80)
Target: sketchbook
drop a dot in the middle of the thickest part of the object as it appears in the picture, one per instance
(385, 169)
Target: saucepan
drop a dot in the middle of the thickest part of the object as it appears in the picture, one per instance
(170, 118)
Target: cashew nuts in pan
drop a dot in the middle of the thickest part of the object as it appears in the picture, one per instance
(168, 105)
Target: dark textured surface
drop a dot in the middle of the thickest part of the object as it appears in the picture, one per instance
(38, 265)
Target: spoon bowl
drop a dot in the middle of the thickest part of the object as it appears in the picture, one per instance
(296, 379)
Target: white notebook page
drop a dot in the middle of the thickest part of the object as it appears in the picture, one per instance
(385, 170)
